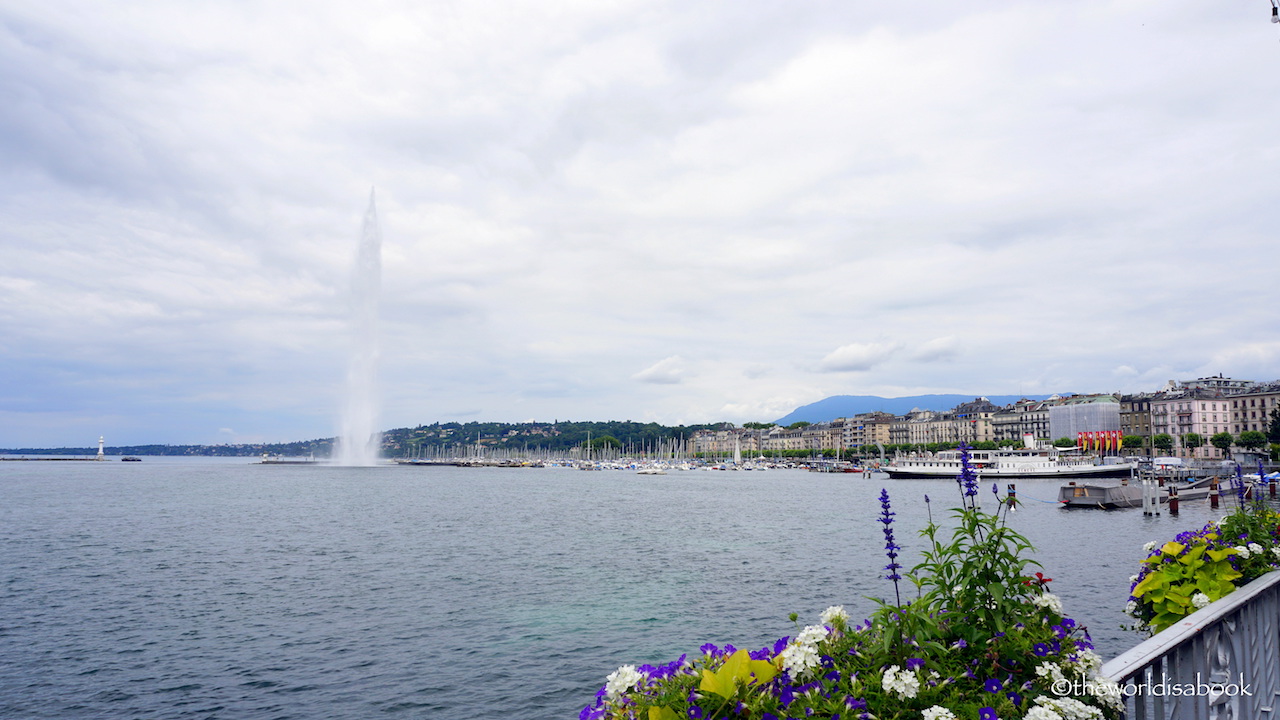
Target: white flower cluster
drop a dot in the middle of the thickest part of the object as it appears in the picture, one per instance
(1149, 547)
(833, 613)
(900, 681)
(1049, 601)
(1200, 600)
(1246, 551)
(801, 655)
(1062, 708)
(1085, 669)
(621, 680)
(1090, 662)
(937, 712)
(1053, 671)
(1108, 690)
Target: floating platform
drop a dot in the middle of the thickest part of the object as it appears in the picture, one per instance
(1112, 496)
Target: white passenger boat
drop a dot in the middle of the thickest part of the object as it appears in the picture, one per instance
(1018, 463)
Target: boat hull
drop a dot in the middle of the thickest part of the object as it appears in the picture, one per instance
(1115, 497)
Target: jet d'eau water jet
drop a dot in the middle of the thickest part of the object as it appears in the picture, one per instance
(359, 440)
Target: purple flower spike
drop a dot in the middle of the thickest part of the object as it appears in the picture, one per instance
(891, 548)
(968, 477)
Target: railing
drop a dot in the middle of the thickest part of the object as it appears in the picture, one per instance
(1222, 662)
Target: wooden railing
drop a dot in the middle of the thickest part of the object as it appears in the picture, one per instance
(1222, 662)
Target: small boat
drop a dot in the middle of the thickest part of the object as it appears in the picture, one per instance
(1111, 496)
(130, 458)
(286, 460)
(835, 467)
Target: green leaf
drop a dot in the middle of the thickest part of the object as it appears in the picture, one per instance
(714, 683)
(662, 713)
(997, 591)
(736, 665)
(1220, 555)
(1150, 582)
(738, 668)
(1193, 555)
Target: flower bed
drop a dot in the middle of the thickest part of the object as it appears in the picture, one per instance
(982, 638)
(1201, 566)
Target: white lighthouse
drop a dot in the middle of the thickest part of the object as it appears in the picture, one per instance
(101, 440)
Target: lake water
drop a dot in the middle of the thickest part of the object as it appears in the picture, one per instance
(202, 588)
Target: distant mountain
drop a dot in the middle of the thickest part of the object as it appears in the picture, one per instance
(838, 406)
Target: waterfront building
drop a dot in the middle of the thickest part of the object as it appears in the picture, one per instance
(867, 429)
(1204, 406)
(832, 434)
(972, 421)
(780, 438)
(1202, 411)
(920, 427)
(1083, 413)
(1223, 385)
(1135, 417)
(1251, 410)
(723, 440)
(1024, 416)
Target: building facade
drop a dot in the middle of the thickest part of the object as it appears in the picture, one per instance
(1197, 411)
(1083, 413)
(1252, 409)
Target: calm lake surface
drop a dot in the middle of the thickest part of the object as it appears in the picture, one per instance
(203, 588)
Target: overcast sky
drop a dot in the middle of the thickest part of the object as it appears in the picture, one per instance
(677, 212)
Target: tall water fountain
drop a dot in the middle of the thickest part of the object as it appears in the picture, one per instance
(359, 439)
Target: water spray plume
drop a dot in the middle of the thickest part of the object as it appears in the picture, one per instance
(359, 439)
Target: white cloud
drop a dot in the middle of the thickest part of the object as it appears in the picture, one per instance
(668, 371)
(937, 350)
(858, 356)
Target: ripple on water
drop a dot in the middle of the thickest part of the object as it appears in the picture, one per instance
(260, 593)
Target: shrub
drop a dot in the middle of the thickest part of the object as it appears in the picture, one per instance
(1201, 566)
